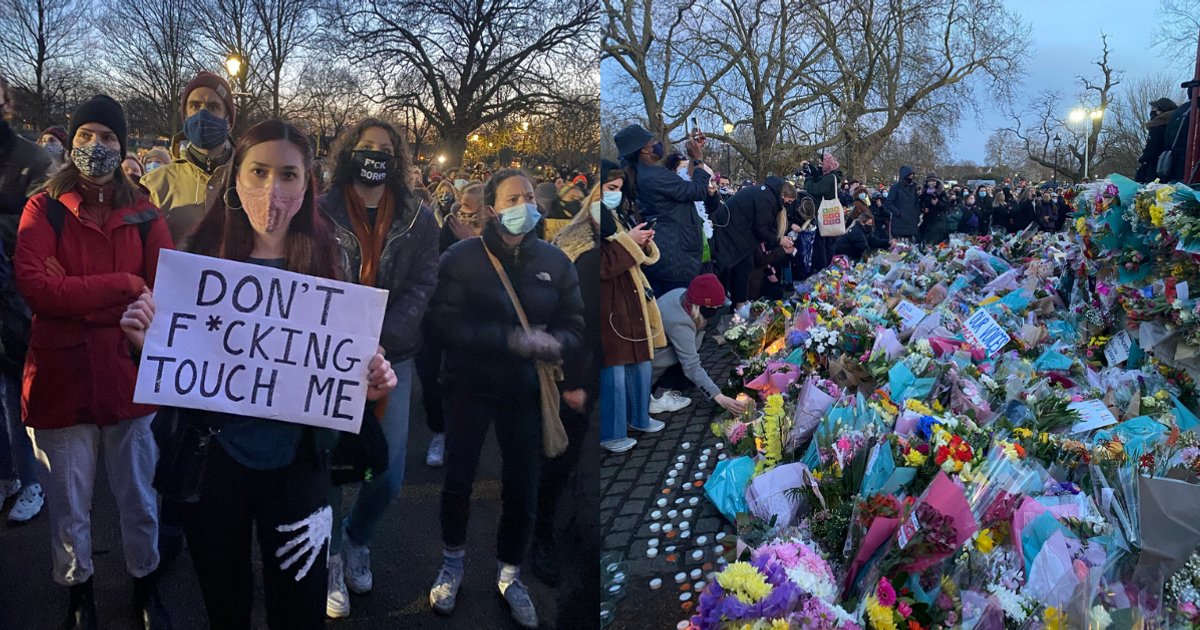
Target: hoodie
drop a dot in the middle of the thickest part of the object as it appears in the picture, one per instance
(901, 203)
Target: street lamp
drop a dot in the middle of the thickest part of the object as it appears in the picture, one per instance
(1083, 114)
(728, 133)
(234, 64)
(1057, 141)
(441, 160)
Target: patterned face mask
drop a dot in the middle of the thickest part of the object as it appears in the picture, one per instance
(469, 219)
(95, 160)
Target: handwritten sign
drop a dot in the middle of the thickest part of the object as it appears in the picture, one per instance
(907, 530)
(983, 332)
(1117, 350)
(910, 314)
(257, 341)
(1093, 414)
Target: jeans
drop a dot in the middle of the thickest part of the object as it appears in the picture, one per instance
(518, 423)
(68, 458)
(429, 366)
(235, 502)
(15, 447)
(376, 495)
(624, 399)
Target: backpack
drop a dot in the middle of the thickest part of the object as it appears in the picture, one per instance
(56, 213)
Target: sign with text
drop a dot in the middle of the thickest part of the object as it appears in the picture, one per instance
(983, 332)
(1117, 349)
(1093, 414)
(258, 341)
(910, 314)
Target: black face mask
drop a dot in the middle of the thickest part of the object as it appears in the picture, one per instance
(371, 168)
(709, 313)
(573, 207)
(658, 150)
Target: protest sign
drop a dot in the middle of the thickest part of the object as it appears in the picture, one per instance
(257, 341)
(1093, 414)
(1117, 349)
(910, 314)
(983, 332)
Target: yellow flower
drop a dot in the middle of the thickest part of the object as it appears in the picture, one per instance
(984, 541)
(780, 624)
(937, 406)
(913, 404)
(744, 582)
(1156, 215)
(914, 458)
(881, 617)
(1055, 619)
(1023, 433)
(1081, 225)
(1162, 395)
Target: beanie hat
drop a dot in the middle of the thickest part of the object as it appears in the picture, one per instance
(58, 132)
(100, 109)
(829, 163)
(209, 80)
(705, 290)
(157, 152)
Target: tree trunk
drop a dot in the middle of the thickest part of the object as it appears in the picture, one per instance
(453, 145)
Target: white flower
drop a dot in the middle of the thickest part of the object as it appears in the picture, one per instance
(1013, 605)
(1100, 618)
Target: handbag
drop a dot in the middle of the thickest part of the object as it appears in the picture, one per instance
(831, 215)
(554, 436)
(183, 443)
(360, 456)
(1166, 159)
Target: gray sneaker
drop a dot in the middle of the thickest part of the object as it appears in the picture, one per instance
(519, 604)
(445, 591)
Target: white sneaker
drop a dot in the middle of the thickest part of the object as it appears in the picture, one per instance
(444, 594)
(669, 402)
(28, 504)
(337, 600)
(437, 451)
(8, 489)
(654, 427)
(619, 445)
(358, 566)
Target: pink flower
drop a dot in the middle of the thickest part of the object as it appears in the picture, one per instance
(886, 594)
(1189, 609)
(904, 609)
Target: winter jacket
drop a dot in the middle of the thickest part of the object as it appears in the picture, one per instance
(938, 215)
(23, 166)
(983, 210)
(1176, 141)
(79, 369)
(733, 232)
(883, 219)
(679, 232)
(765, 202)
(630, 322)
(180, 190)
(474, 315)
(970, 219)
(901, 203)
(407, 267)
(580, 241)
(857, 241)
(1001, 214)
(1046, 216)
(1024, 215)
(1156, 142)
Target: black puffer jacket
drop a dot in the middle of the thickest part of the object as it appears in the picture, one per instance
(23, 165)
(857, 240)
(679, 233)
(1176, 140)
(407, 268)
(474, 316)
(766, 202)
(733, 230)
(901, 202)
(1156, 142)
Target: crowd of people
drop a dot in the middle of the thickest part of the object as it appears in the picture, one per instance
(680, 244)
(478, 303)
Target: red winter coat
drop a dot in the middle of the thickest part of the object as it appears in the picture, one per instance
(79, 369)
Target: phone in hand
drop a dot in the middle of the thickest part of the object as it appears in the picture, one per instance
(695, 130)
(650, 223)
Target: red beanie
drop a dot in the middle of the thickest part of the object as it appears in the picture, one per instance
(706, 290)
(209, 80)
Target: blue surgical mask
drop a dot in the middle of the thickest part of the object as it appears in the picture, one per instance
(983, 193)
(863, 196)
(206, 130)
(520, 219)
(658, 150)
(612, 199)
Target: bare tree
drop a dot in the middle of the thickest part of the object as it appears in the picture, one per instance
(1004, 152)
(329, 100)
(230, 27)
(41, 42)
(1176, 33)
(286, 26)
(165, 30)
(479, 60)
(1125, 130)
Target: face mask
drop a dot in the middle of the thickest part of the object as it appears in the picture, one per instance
(95, 160)
(970, 202)
(982, 193)
(459, 183)
(885, 193)
(612, 199)
(469, 219)
(709, 313)
(206, 130)
(863, 196)
(152, 165)
(930, 190)
(268, 208)
(682, 171)
(371, 168)
(54, 149)
(520, 219)
(658, 150)
(595, 210)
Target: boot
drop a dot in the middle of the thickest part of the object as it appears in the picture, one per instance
(544, 561)
(148, 606)
(81, 613)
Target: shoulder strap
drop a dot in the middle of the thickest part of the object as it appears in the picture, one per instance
(512, 294)
(56, 213)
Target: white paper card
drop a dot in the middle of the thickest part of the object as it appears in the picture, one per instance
(1181, 290)
(985, 333)
(910, 314)
(1117, 349)
(1093, 414)
(257, 341)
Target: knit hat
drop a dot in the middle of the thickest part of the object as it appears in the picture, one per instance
(209, 80)
(631, 139)
(58, 132)
(610, 171)
(705, 290)
(829, 163)
(157, 152)
(100, 109)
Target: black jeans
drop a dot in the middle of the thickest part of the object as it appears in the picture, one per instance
(234, 502)
(518, 423)
(737, 280)
(429, 364)
(556, 472)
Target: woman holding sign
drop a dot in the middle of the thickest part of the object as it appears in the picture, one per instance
(88, 245)
(389, 240)
(263, 474)
(491, 378)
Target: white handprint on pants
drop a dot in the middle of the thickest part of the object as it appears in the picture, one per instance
(315, 531)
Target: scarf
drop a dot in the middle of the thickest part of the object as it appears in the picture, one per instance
(370, 237)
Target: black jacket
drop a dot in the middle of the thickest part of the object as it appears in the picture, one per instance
(1022, 217)
(23, 166)
(733, 231)
(765, 202)
(937, 213)
(857, 240)
(1177, 141)
(679, 233)
(474, 316)
(407, 268)
(825, 187)
(1156, 142)
(1046, 216)
(901, 203)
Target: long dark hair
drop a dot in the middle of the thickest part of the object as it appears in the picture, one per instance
(225, 232)
(343, 147)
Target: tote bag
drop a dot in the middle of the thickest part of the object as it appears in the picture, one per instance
(831, 216)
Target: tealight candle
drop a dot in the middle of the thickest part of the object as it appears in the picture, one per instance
(672, 514)
(680, 577)
(655, 584)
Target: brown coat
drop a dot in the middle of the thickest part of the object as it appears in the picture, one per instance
(630, 323)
